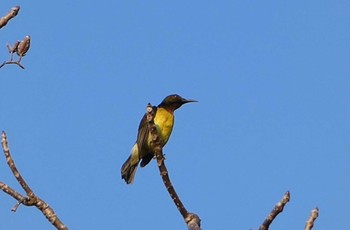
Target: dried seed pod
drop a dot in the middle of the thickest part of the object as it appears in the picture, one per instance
(23, 46)
(13, 49)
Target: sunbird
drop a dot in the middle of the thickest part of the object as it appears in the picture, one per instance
(142, 150)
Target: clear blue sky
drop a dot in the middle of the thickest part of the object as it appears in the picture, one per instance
(272, 81)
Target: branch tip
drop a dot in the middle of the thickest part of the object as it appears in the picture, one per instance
(310, 222)
(11, 14)
(275, 211)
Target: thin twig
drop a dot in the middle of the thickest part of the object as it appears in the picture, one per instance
(192, 220)
(31, 199)
(11, 14)
(310, 222)
(276, 210)
(12, 62)
(7, 189)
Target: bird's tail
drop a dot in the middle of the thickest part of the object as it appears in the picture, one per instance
(128, 171)
(130, 166)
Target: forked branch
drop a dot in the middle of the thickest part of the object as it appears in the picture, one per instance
(31, 199)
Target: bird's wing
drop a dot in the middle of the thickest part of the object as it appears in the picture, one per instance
(143, 133)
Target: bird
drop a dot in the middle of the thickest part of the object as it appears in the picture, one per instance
(142, 150)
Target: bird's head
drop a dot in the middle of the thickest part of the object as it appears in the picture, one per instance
(173, 102)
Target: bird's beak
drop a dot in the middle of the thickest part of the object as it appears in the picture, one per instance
(188, 100)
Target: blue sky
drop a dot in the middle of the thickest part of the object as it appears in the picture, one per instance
(272, 81)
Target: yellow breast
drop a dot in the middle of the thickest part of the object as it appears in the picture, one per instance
(164, 121)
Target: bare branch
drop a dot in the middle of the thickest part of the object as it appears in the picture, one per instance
(192, 220)
(13, 167)
(310, 223)
(13, 12)
(12, 62)
(7, 189)
(31, 199)
(276, 210)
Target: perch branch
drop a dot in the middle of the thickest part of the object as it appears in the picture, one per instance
(12, 62)
(11, 14)
(192, 220)
(31, 199)
(275, 211)
(310, 222)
